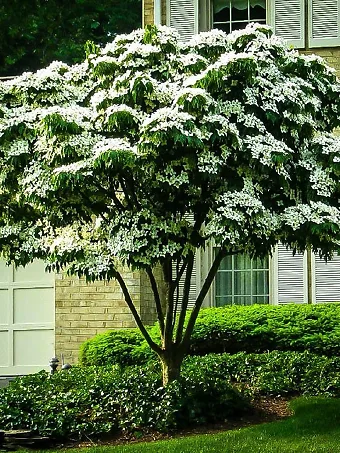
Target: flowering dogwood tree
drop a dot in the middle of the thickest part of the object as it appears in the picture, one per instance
(151, 149)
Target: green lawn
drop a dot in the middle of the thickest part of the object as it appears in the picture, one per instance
(314, 427)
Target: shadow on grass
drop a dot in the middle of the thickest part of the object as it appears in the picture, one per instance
(314, 428)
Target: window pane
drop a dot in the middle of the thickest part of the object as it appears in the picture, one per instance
(239, 13)
(242, 283)
(221, 301)
(242, 280)
(238, 25)
(261, 263)
(223, 283)
(236, 14)
(226, 263)
(258, 13)
(261, 300)
(242, 262)
(242, 300)
(260, 283)
(223, 15)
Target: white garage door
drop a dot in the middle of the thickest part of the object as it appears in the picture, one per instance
(26, 319)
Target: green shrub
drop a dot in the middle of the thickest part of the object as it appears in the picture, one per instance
(90, 401)
(122, 347)
(78, 402)
(273, 373)
(85, 402)
(260, 328)
(251, 329)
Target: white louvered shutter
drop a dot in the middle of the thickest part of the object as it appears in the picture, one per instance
(287, 17)
(324, 23)
(291, 276)
(194, 276)
(327, 280)
(183, 15)
(193, 286)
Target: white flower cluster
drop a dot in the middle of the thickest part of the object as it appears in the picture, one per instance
(322, 182)
(264, 147)
(213, 38)
(209, 162)
(16, 148)
(192, 59)
(315, 212)
(112, 144)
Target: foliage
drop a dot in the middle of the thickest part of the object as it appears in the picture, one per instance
(33, 33)
(255, 328)
(93, 401)
(90, 401)
(261, 328)
(273, 373)
(113, 347)
(150, 149)
(313, 427)
(75, 403)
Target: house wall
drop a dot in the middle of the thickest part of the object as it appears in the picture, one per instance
(330, 54)
(84, 309)
(148, 12)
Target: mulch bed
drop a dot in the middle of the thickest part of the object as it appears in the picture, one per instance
(265, 409)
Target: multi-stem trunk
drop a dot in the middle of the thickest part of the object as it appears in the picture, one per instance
(171, 360)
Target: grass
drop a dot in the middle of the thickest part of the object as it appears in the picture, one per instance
(314, 428)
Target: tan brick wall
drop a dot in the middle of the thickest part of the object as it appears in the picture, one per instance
(330, 54)
(147, 305)
(148, 12)
(163, 12)
(82, 310)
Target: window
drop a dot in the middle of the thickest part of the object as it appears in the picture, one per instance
(241, 280)
(303, 23)
(229, 15)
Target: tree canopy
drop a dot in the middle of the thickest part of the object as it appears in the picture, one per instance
(33, 33)
(151, 149)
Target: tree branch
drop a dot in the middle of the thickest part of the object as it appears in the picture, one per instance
(136, 316)
(160, 314)
(167, 270)
(177, 295)
(204, 290)
(185, 299)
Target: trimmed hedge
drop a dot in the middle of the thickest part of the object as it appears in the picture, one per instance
(272, 373)
(113, 347)
(251, 329)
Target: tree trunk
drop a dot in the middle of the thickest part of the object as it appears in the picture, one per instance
(171, 365)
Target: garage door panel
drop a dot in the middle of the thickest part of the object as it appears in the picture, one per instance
(33, 305)
(32, 347)
(5, 273)
(26, 319)
(4, 349)
(33, 272)
(4, 306)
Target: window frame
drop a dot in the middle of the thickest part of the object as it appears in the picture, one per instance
(231, 22)
(248, 273)
(305, 16)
